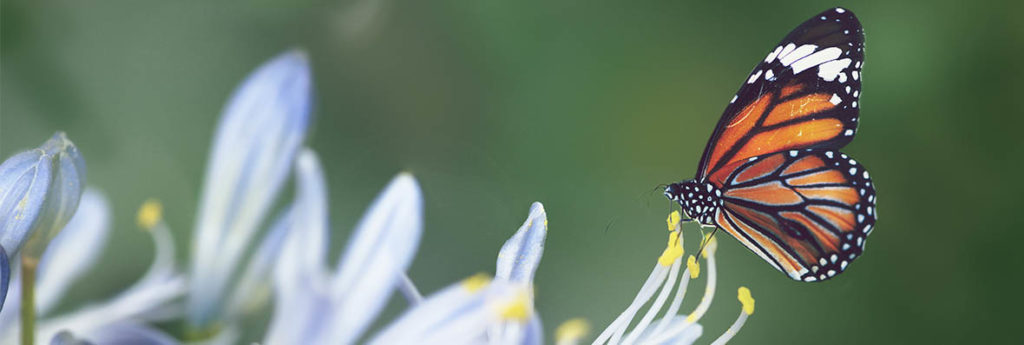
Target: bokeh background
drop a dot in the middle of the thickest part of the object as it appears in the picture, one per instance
(584, 106)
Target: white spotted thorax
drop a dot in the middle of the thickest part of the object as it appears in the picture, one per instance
(700, 200)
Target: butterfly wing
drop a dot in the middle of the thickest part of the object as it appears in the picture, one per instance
(807, 212)
(802, 95)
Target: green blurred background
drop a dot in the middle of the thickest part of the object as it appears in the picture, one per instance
(584, 106)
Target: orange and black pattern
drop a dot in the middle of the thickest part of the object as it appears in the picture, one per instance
(771, 174)
(807, 212)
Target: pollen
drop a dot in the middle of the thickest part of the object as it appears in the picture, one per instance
(150, 213)
(673, 251)
(747, 300)
(694, 268)
(673, 221)
(517, 309)
(571, 330)
(476, 282)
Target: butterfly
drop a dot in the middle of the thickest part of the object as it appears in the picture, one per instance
(771, 174)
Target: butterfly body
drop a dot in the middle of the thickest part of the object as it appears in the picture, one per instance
(771, 174)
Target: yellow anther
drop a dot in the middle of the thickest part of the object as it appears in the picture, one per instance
(150, 213)
(518, 309)
(476, 282)
(572, 330)
(694, 268)
(673, 251)
(747, 300)
(710, 244)
(673, 220)
(691, 318)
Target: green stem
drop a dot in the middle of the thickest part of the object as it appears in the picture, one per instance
(28, 300)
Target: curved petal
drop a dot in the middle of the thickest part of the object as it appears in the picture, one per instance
(260, 132)
(519, 257)
(75, 249)
(66, 338)
(459, 314)
(302, 304)
(129, 333)
(381, 249)
(5, 276)
(24, 181)
(64, 194)
(253, 288)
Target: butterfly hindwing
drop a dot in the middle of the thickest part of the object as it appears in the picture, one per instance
(804, 94)
(807, 212)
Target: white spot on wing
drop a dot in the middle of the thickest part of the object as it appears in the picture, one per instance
(797, 54)
(786, 50)
(773, 54)
(753, 77)
(835, 99)
(830, 70)
(820, 57)
(840, 10)
(733, 99)
(769, 75)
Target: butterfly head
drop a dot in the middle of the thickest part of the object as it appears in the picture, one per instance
(700, 200)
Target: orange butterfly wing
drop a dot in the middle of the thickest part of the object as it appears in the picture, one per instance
(803, 95)
(806, 212)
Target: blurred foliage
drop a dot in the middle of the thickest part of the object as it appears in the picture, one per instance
(585, 106)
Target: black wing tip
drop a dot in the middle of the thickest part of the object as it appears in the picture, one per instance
(838, 12)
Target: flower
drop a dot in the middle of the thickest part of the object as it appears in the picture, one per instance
(673, 328)
(5, 276)
(479, 310)
(259, 135)
(314, 305)
(67, 259)
(39, 191)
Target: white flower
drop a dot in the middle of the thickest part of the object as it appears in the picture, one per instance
(317, 305)
(477, 310)
(672, 328)
(67, 260)
(260, 132)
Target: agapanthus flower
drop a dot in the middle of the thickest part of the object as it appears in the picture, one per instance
(480, 310)
(39, 191)
(673, 327)
(69, 258)
(257, 139)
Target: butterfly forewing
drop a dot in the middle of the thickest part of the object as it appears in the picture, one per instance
(803, 94)
(806, 212)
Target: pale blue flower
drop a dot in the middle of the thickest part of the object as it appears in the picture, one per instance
(39, 191)
(5, 276)
(67, 259)
(318, 305)
(260, 132)
(478, 310)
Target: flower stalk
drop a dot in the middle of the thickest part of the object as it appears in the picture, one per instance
(28, 298)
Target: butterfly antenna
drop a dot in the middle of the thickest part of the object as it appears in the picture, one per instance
(705, 240)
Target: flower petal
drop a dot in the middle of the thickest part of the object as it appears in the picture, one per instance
(129, 333)
(5, 276)
(66, 338)
(259, 134)
(302, 304)
(253, 288)
(24, 181)
(381, 249)
(75, 249)
(64, 193)
(521, 254)
(459, 314)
